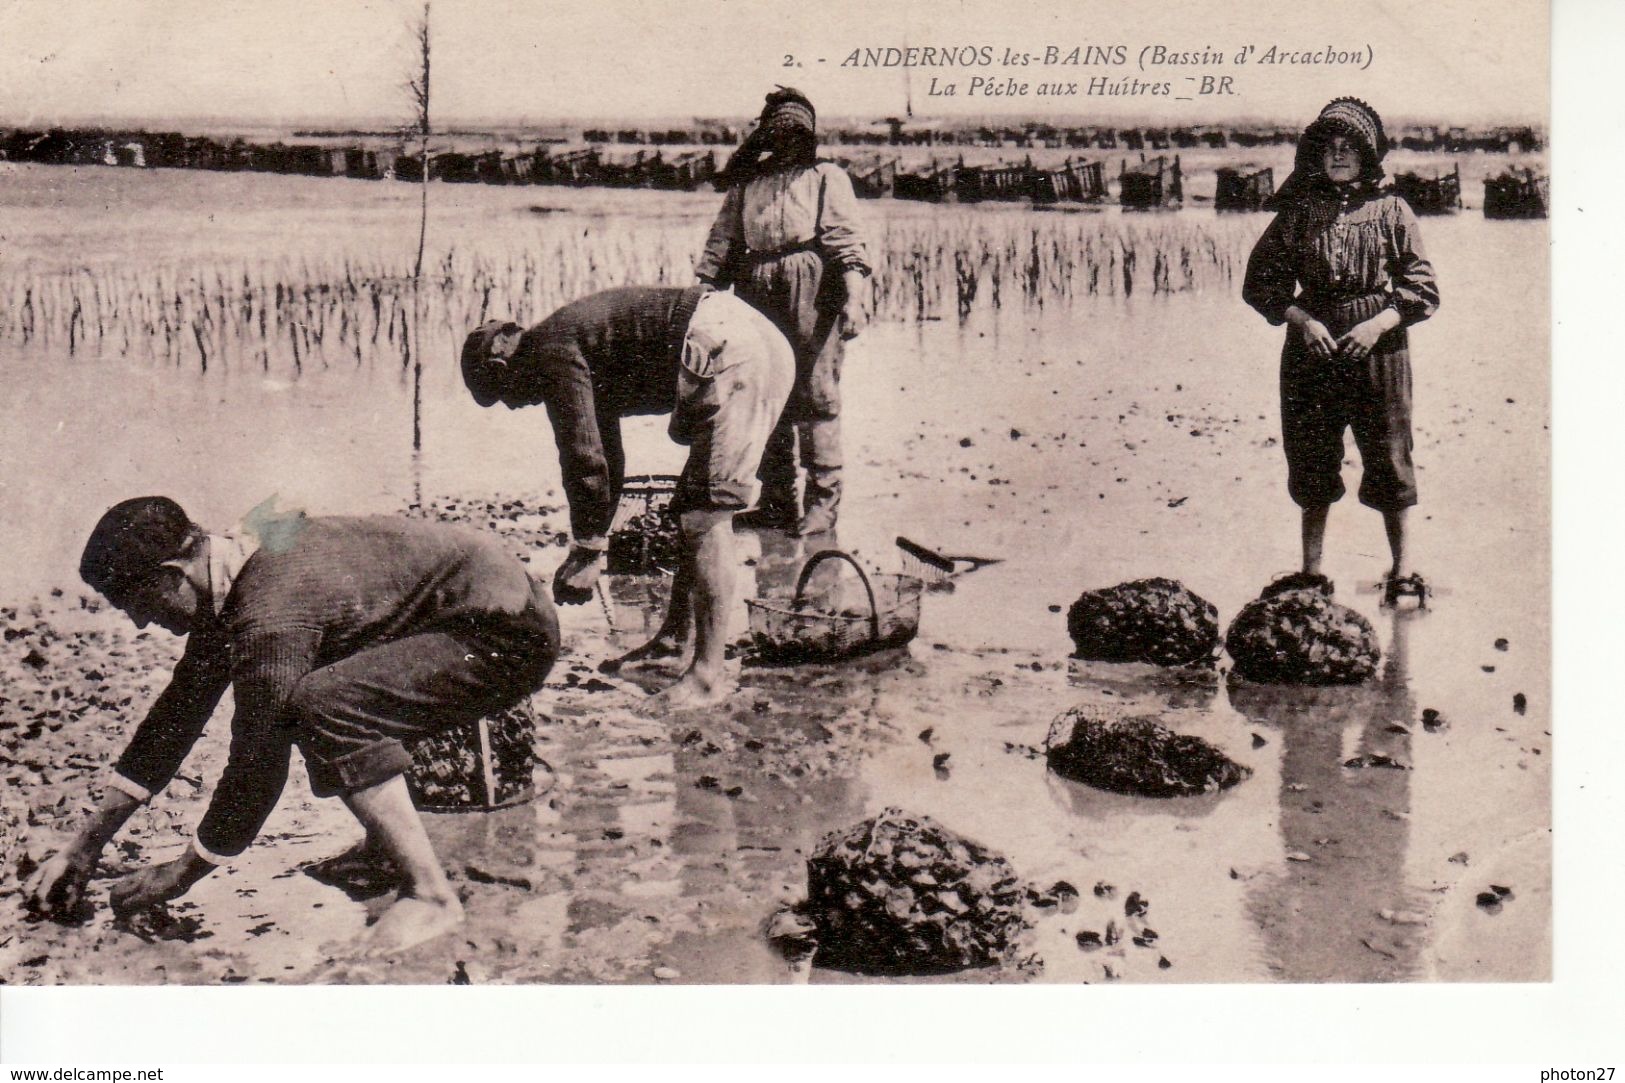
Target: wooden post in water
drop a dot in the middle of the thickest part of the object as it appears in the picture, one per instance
(419, 88)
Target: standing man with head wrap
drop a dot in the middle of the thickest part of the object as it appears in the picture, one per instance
(788, 241)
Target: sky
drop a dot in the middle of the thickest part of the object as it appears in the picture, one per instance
(338, 60)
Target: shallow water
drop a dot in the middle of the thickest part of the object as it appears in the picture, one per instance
(1114, 440)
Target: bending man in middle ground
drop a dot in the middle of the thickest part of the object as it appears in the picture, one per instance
(720, 368)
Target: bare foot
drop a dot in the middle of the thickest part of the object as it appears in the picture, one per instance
(411, 921)
(658, 648)
(693, 689)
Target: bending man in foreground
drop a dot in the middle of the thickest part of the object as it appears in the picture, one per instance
(344, 636)
(720, 368)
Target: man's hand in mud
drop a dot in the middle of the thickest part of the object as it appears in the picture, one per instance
(157, 884)
(573, 582)
(57, 888)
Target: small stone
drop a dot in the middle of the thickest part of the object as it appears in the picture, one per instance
(1146, 938)
(667, 973)
(1103, 890)
(940, 760)
(1399, 728)
(709, 782)
(1459, 857)
(1113, 933)
(1489, 902)
(1520, 702)
(1295, 787)
(1089, 940)
(1487, 669)
(1501, 644)
(1503, 892)
(1163, 963)
(1258, 741)
(965, 441)
(1134, 906)
(1401, 917)
(925, 734)
(1297, 855)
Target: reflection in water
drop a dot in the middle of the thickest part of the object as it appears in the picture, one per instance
(1344, 830)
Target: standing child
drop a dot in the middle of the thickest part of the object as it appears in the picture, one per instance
(1342, 265)
(788, 242)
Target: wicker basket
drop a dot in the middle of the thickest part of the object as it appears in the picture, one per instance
(798, 633)
(481, 765)
(643, 536)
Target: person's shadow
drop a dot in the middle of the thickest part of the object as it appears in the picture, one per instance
(1344, 822)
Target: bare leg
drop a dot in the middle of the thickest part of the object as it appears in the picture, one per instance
(672, 640)
(427, 906)
(1394, 523)
(1314, 537)
(710, 553)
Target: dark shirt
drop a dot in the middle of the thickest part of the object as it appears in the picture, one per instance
(607, 356)
(339, 586)
(1335, 249)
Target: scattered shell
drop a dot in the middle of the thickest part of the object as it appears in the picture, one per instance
(1402, 917)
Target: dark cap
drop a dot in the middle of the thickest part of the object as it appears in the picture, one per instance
(485, 376)
(131, 541)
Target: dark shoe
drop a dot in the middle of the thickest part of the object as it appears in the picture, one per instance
(768, 517)
(1298, 581)
(1396, 587)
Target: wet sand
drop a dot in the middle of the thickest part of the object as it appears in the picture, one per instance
(1116, 440)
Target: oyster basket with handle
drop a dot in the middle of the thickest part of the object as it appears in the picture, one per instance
(792, 632)
(643, 535)
(486, 764)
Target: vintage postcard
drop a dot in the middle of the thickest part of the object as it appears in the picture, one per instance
(745, 493)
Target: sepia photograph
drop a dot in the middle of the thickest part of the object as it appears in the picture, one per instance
(736, 493)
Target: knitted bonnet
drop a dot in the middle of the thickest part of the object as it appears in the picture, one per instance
(1355, 119)
(788, 108)
(1349, 117)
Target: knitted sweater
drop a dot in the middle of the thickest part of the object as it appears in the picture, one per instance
(607, 356)
(340, 586)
